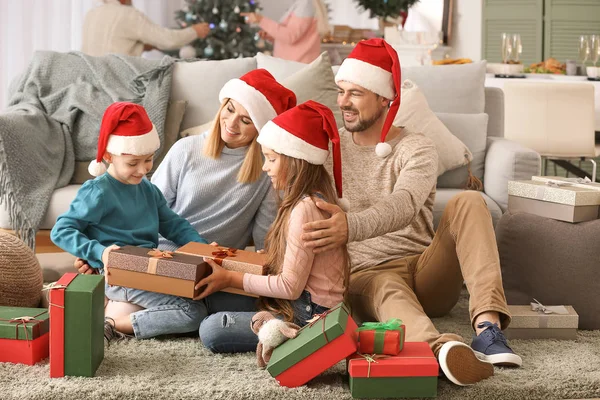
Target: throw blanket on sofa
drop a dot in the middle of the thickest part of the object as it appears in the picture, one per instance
(53, 118)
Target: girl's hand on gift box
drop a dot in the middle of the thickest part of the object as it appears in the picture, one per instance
(214, 244)
(219, 279)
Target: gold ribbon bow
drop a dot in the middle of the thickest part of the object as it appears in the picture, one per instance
(372, 358)
(155, 255)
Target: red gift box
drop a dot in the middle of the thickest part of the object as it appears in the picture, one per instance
(25, 349)
(381, 337)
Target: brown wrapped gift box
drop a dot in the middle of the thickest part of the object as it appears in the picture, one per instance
(230, 259)
(156, 271)
(529, 324)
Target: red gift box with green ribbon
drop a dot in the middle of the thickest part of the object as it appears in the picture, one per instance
(326, 340)
(412, 373)
(381, 337)
(23, 335)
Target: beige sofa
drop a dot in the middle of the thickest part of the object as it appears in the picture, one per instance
(455, 93)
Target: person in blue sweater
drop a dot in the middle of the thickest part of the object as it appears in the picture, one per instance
(121, 207)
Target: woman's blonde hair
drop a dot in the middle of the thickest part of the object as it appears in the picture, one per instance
(251, 167)
(298, 178)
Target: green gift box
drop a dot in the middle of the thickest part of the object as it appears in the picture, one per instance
(325, 341)
(23, 323)
(76, 325)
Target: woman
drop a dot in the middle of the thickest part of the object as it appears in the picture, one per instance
(214, 180)
(297, 36)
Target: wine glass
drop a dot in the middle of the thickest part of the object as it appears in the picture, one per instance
(594, 48)
(584, 49)
(506, 47)
(517, 47)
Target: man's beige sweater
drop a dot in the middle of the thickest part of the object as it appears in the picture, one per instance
(120, 29)
(391, 198)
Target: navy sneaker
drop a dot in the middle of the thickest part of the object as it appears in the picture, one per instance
(491, 346)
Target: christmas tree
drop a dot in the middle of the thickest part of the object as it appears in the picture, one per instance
(385, 8)
(230, 36)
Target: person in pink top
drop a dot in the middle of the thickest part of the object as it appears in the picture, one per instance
(299, 284)
(297, 35)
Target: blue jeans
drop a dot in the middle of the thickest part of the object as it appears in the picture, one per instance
(166, 314)
(230, 332)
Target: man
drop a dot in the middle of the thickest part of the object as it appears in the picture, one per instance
(399, 268)
(117, 27)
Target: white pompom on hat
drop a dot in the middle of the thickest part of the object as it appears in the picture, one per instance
(304, 132)
(374, 65)
(125, 129)
(260, 94)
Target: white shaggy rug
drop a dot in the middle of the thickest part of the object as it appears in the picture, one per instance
(183, 369)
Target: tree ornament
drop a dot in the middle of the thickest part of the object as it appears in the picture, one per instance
(236, 10)
(209, 51)
(223, 25)
(215, 10)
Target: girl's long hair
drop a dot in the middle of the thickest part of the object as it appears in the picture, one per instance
(251, 168)
(297, 178)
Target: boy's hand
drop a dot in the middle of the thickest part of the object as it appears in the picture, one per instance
(214, 244)
(106, 252)
(83, 267)
(217, 280)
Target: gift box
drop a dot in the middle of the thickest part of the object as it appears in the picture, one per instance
(23, 335)
(412, 373)
(381, 337)
(156, 271)
(555, 193)
(536, 321)
(230, 259)
(325, 341)
(76, 325)
(560, 212)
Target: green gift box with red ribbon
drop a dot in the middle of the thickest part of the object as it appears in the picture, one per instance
(381, 337)
(412, 373)
(23, 335)
(326, 340)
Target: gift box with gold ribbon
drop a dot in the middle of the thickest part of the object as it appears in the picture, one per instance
(229, 258)
(412, 373)
(381, 337)
(156, 270)
(23, 335)
(329, 338)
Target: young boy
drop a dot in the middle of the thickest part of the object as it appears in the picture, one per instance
(120, 207)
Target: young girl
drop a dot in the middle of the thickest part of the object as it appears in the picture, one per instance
(120, 207)
(299, 283)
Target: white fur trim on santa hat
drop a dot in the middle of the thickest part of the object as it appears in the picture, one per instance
(96, 168)
(344, 204)
(369, 76)
(383, 149)
(258, 106)
(283, 142)
(140, 145)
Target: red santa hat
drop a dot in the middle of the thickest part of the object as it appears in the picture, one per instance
(304, 132)
(125, 129)
(374, 65)
(260, 94)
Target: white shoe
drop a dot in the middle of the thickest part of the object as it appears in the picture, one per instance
(461, 366)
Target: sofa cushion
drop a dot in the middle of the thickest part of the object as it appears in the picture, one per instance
(416, 115)
(471, 129)
(314, 81)
(451, 88)
(444, 195)
(199, 83)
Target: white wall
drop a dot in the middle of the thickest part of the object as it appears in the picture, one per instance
(465, 38)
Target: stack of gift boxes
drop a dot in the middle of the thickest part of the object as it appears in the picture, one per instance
(564, 199)
(70, 331)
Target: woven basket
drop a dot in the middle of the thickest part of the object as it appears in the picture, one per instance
(20, 273)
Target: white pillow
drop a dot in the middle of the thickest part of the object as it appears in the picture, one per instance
(415, 114)
(196, 130)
